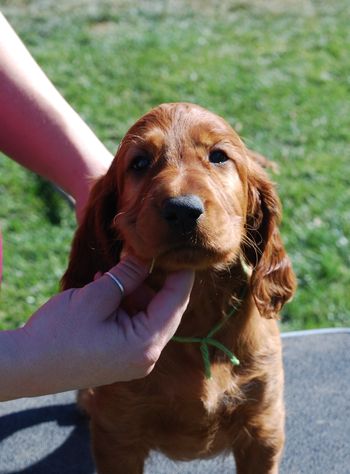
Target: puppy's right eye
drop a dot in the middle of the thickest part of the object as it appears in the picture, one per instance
(140, 163)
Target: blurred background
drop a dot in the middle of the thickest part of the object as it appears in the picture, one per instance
(277, 70)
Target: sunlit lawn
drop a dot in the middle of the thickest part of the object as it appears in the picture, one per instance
(277, 71)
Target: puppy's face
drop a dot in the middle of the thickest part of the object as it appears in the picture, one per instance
(182, 189)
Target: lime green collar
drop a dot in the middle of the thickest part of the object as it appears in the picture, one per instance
(207, 341)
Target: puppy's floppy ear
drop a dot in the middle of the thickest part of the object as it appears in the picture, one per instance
(95, 246)
(272, 281)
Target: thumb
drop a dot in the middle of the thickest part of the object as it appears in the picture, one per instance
(104, 296)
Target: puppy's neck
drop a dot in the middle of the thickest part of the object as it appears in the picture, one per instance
(219, 287)
(213, 295)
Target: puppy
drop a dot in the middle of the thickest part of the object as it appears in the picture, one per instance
(184, 191)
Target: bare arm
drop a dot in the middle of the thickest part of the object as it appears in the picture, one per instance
(39, 129)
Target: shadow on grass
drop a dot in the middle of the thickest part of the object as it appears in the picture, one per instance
(51, 199)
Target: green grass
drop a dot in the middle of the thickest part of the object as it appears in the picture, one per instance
(277, 71)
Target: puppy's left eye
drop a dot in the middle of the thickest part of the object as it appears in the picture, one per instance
(217, 157)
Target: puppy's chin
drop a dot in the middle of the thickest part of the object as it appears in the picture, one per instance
(193, 259)
(183, 257)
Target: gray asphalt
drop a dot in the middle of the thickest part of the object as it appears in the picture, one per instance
(46, 435)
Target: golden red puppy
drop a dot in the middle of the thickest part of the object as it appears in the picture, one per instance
(184, 190)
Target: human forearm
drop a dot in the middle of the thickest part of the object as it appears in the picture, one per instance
(33, 365)
(38, 127)
(12, 365)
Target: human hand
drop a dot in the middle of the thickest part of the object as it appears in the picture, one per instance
(81, 337)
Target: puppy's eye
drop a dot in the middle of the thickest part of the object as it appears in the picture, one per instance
(140, 163)
(217, 157)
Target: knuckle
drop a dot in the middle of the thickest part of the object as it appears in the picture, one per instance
(148, 357)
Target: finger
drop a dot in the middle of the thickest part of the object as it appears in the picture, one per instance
(104, 296)
(97, 275)
(130, 272)
(164, 312)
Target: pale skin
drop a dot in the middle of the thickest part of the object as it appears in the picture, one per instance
(80, 337)
(39, 129)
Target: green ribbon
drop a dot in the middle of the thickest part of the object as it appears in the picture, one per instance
(207, 341)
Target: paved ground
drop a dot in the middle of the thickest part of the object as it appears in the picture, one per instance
(46, 435)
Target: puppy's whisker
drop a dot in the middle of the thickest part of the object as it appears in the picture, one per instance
(252, 244)
(152, 266)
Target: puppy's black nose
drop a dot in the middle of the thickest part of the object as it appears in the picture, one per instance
(183, 212)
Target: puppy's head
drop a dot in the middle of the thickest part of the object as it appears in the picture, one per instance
(185, 191)
(181, 188)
